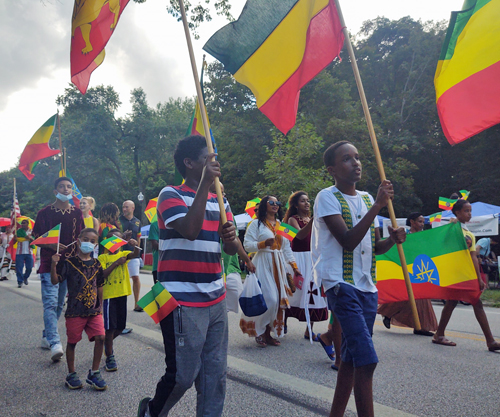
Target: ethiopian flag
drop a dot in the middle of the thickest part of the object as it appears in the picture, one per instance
(113, 243)
(92, 24)
(436, 217)
(158, 303)
(251, 207)
(446, 203)
(38, 148)
(467, 77)
(150, 211)
(439, 264)
(49, 238)
(287, 231)
(276, 47)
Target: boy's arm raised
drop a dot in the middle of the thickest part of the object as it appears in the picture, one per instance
(349, 239)
(137, 251)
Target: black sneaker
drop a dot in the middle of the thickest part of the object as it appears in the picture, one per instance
(26, 281)
(143, 407)
(387, 322)
(73, 381)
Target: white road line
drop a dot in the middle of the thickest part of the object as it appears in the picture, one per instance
(277, 378)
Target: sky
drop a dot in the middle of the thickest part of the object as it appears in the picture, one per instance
(148, 49)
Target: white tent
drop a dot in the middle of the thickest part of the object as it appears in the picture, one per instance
(242, 220)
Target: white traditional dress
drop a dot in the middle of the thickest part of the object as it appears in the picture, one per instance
(270, 264)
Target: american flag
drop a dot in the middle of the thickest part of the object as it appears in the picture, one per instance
(15, 212)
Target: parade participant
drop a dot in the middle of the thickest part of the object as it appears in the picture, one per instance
(153, 237)
(463, 212)
(195, 335)
(131, 228)
(487, 258)
(84, 277)
(24, 253)
(53, 296)
(400, 313)
(6, 237)
(273, 254)
(108, 220)
(344, 242)
(115, 292)
(87, 205)
(308, 299)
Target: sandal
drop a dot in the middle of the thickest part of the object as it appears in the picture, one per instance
(441, 340)
(273, 342)
(261, 341)
(314, 337)
(494, 347)
(330, 351)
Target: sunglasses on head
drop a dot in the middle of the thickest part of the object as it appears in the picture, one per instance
(274, 203)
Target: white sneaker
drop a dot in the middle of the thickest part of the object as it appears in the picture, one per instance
(45, 343)
(56, 352)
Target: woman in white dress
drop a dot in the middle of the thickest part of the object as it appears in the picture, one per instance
(273, 252)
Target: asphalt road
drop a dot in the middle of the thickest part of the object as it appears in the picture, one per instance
(414, 376)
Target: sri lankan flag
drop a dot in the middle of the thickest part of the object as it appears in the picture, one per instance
(113, 243)
(276, 47)
(50, 237)
(467, 77)
(439, 264)
(287, 231)
(436, 217)
(38, 148)
(446, 203)
(158, 303)
(150, 211)
(92, 24)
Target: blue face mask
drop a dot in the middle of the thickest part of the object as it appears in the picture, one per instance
(87, 247)
(63, 197)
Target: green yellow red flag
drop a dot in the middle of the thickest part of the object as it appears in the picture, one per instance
(158, 303)
(38, 148)
(446, 203)
(287, 231)
(276, 47)
(465, 194)
(439, 264)
(251, 207)
(113, 243)
(49, 238)
(436, 217)
(467, 78)
(150, 211)
(92, 24)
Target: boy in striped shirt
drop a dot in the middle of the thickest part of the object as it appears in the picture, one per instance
(195, 335)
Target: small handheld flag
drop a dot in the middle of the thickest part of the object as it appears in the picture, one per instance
(113, 243)
(150, 211)
(446, 203)
(436, 217)
(465, 194)
(158, 303)
(49, 238)
(252, 206)
(287, 231)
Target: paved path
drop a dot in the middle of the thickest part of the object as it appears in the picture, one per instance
(414, 376)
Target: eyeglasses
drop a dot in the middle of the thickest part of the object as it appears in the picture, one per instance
(274, 203)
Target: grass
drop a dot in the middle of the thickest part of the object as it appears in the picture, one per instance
(148, 267)
(492, 296)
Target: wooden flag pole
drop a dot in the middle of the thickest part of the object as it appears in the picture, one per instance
(380, 165)
(199, 93)
(14, 207)
(60, 142)
(64, 169)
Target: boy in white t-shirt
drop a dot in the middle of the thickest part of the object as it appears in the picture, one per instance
(344, 242)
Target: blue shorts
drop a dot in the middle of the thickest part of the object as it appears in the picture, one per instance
(356, 311)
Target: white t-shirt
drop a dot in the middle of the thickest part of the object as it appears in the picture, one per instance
(326, 251)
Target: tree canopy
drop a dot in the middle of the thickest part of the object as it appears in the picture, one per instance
(115, 158)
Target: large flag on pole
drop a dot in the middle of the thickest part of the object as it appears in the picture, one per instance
(439, 264)
(276, 47)
(38, 148)
(467, 77)
(92, 25)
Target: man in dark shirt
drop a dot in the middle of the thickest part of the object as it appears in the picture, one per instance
(53, 296)
(131, 228)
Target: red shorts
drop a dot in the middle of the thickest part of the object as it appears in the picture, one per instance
(93, 326)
